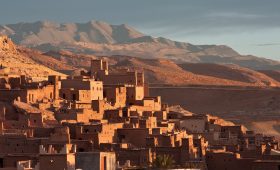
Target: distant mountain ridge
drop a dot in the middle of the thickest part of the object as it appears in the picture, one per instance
(42, 32)
(101, 38)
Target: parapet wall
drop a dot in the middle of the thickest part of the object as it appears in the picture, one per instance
(66, 149)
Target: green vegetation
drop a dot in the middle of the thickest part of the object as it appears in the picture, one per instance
(163, 161)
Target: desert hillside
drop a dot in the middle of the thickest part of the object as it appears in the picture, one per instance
(275, 74)
(231, 72)
(18, 63)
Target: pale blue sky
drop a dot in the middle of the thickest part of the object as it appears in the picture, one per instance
(249, 26)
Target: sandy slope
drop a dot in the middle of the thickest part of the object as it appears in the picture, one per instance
(20, 64)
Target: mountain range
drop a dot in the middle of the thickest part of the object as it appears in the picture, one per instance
(103, 39)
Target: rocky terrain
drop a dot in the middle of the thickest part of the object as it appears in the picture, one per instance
(19, 63)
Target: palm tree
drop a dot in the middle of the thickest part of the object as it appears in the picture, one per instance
(163, 162)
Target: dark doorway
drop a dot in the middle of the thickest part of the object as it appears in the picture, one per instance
(1, 163)
(74, 97)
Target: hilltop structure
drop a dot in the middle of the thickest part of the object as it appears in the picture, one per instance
(6, 44)
(101, 120)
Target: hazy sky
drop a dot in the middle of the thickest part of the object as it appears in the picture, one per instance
(249, 26)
